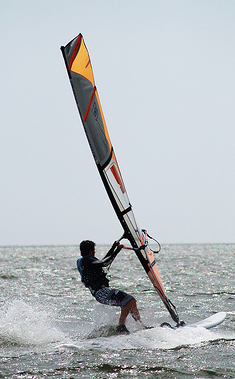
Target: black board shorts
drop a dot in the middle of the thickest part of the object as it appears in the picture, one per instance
(112, 296)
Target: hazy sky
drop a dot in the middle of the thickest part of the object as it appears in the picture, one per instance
(165, 76)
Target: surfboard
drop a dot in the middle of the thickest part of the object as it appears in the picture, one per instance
(209, 322)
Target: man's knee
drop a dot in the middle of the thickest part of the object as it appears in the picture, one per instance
(130, 305)
(133, 303)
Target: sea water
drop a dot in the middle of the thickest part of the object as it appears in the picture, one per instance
(51, 326)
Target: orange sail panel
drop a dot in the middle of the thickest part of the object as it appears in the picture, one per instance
(118, 178)
(79, 68)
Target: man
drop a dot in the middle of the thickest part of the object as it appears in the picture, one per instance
(94, 277)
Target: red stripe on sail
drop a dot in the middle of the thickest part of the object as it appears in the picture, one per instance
(89, 105)
(77, 44)
(118, 178)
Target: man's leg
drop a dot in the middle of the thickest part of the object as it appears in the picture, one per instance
(131, 307)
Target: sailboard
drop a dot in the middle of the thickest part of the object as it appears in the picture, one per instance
(78, 64)
(210, 322)
(207, 323)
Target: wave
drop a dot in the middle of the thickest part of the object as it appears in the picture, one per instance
(25, 324)
(151, 339)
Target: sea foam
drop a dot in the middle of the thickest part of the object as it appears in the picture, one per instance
(25, 324)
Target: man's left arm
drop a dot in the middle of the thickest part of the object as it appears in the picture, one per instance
(111, 255)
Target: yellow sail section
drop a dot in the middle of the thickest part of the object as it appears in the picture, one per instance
(82, 64)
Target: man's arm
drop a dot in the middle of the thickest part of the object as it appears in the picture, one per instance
(110, 256)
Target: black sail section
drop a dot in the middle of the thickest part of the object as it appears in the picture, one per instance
(80, 72)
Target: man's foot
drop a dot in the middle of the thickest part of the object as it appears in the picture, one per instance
(122, 329)
(145, 326)
(148, 327)
(166, 324)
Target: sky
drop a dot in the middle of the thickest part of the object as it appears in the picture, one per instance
(164, 70)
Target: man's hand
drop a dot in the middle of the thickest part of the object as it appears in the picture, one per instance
(116, 247)
(115, 244)
(119, 248)
(112, 253)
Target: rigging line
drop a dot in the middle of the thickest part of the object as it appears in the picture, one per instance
(159, 245)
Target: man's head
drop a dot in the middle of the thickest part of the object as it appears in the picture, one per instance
(87, 247)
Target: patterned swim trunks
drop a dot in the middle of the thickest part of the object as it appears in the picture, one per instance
(112, 296)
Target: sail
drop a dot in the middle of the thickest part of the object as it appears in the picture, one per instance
(81, 77)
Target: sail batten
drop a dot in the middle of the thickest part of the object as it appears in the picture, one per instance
(79, 68)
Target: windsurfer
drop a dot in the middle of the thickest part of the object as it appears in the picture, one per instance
(94, 277)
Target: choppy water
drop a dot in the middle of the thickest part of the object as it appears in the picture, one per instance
(50, 326)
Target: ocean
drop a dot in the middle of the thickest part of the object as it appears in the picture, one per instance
(51, 326)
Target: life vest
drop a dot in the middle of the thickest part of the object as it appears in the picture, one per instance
(79, 266)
